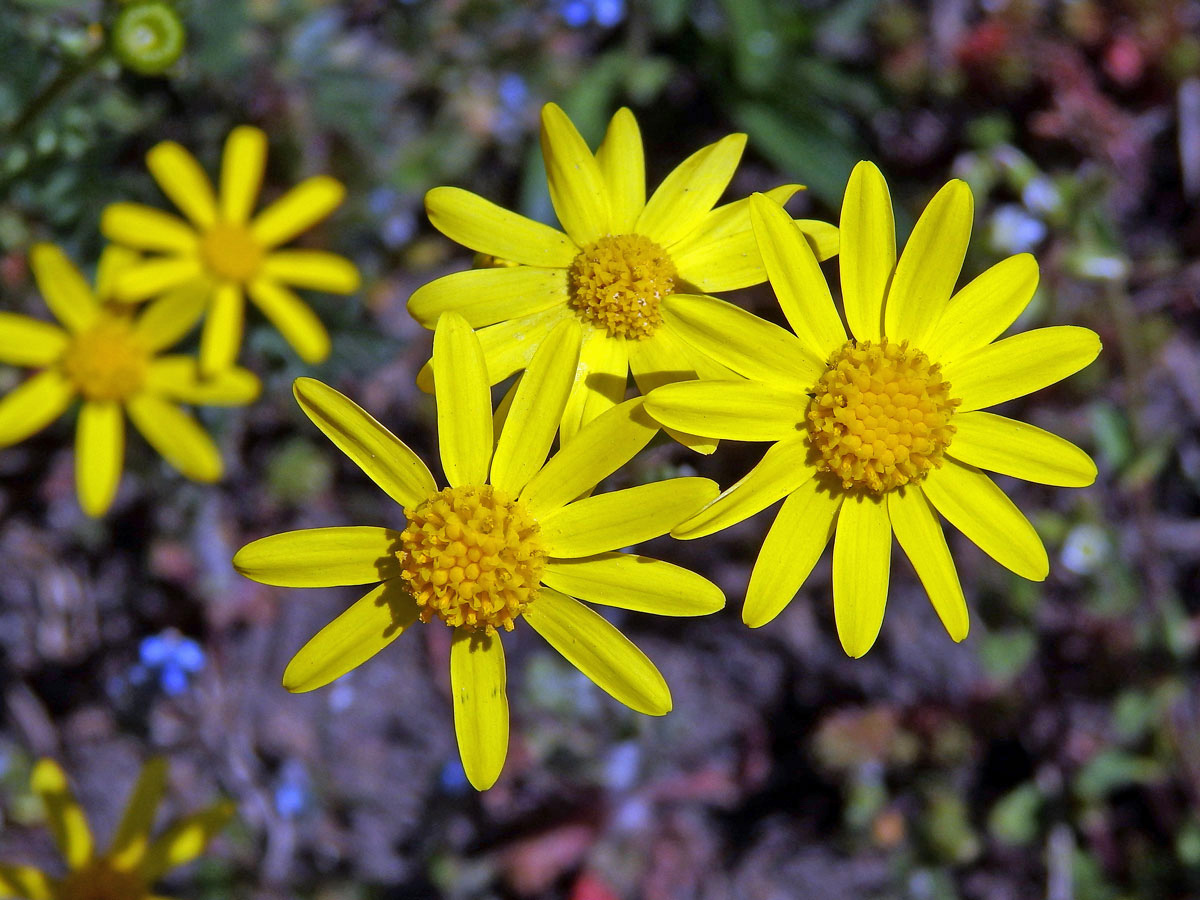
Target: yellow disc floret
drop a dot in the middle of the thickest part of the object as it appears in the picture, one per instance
(101, 880)
(880, 415)
(231, 252)
(107, 361)
(472, 556)
(618, 283)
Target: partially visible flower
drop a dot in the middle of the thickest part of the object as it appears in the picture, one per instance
(109, 357)
(1014, 230)
(620, 257)
(172, 657)
(133, 862)
(509, 538)
(605, 13)
(1086, 549)
(148, 36)
(232, 254)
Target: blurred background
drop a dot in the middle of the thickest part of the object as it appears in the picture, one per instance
(1055, 753)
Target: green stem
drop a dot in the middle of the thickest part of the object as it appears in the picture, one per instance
(51, 92)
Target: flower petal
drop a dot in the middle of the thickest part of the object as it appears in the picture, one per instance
(577, 187)
(132, 837)
(25, 882)
(32, 405)
(99, 454)
(693, 188)
(30, 342)
(176, 436)
(183, 181)
(178, 378)
(486, 296)
(294, 318)
(733, 410)
(165, 321)
(464, 403)
(868, 250)
(1020, 365)
(623, 518)
(242, 166)
(382, 456)
(114, 259)
(1009, 447)
(823, 237)
(600, 380)
(63, 287)
(622, 163)
(314, 269)
(298, 210)
(980, 510)
(221, 337)
(147, 228)
(477, 682)
(862, 555)
(983, 310)
(155, 276)
(481, 225)
(66, 819)
(322, 557)
(920, 534)
(373, 622)
(509, 346)
(661, 359)
(184, 840)
(599, 651)
(634, 582)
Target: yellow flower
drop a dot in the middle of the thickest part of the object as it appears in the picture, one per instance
(133, 862)
(877, 432)
(620, 257)
(234, 255)
(108, 357)
(508, 538)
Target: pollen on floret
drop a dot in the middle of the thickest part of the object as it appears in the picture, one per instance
(101, 880)
(472, 556)
(880, 416)
(231, 252)
(618, 283)
(107, 361)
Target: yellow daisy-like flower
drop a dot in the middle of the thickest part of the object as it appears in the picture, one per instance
(235, 255)
(509, 538)
(877, 433)
(109, 357)
(133, 862)
(621, 255)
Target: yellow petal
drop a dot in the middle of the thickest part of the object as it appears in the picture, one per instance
(1020, 365)
(178, 378)
(980, 510)
(183, 181)
(477, 681)
(797, 278)
(322, 557)
(165, 321)
(486, 296)
(373, 622)
(132, 838)
(783, 468)
(66, 818)
(661, 359)
(114, 259)
(481, 225)
(314, 269)
(384, 458)
(156, 276)
(689, 193)
(919, 532)
(32, 405)
(862, 555)
(184, 840)
(176, 436)
(147, 228)
(733, 410)
(221, 337)
(25, 882)
(242, 167)
(464, 403)
(823, 237)
(599, 651)
(868, 250)
(983, 310)
(99, 454)
(577, 187)
(623, 518)
(600, 380)
(622, 163)
(537, 409)
(1009, 447)
(792, 547)
(634, 582)
(30, 342)
(64, 289)
(298, 210)
(293, 317)
(509, 346)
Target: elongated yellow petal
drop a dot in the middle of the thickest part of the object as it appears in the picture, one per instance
(178, 378)
(635, 582)
(868, 250)
(983, 310)
(623, 165)
(156, 276)
(998, 444)
(797, 278)
(298, 210)
(733, 410)
(99, 454)
(823, 237)
(1020, 365)
(314, 269)
(293, 317)
(65, 817)
(920, 534)
(183, 181)
(599, 651)
(242, 166)
(147, 228)
(577, 187)
(33, 405)
(63, 287)
(477, 681)
(661, 359)
(783, 468)
(29, 342)
(745, 343)
(862, 555)
(481, 225)
(486, 296)
(689, 193)
(373, 622)
(25, 882)
(221, 337)
(177, 437)
(114, 259)
(537, 409)
(623, 518)
(464, 403)
(132, 837)
(509, 346)
(184, 840)
(384, 458)
(597, 450)
(980, 510)
(322, 557)
(600, 381)
(164, 322)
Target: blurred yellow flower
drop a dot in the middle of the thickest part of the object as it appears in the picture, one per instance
(109, 357)
(877, 432)
(619, 257)
(134, 860)
(222, 247)
(508, 538)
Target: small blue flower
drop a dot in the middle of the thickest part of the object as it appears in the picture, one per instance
(293, 794)
(575, 13)
(605, 13)
(608, 13)
(171, 656)
(513, 91)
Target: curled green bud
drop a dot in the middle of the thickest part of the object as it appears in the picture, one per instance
(148, 36)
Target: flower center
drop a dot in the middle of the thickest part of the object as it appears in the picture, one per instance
(99, 880)
(618, 282)
(472, 556)
(880, 415)
(231, 252)
(107, 362)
